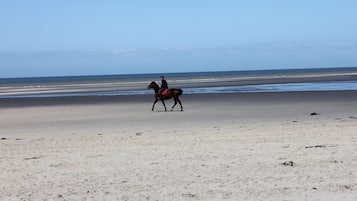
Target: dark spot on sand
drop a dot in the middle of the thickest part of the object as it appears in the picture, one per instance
(33, 158)
(189, 195)
(3, 138)
(353, 117)
(336, 161)
(289, 163)
(138, 133)
(316, 146)
(314, 113)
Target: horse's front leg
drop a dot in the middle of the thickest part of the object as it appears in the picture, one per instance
(163, 102)
(153, 105)
(180, 104)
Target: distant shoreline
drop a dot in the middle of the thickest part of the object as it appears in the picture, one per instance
(173, 74)
(191, 83)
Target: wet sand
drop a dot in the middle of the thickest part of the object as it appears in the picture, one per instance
(248, 146)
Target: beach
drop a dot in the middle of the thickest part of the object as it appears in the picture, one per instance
(243, 146)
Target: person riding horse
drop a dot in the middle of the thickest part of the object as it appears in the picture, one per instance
(171, 93)
(164, 86)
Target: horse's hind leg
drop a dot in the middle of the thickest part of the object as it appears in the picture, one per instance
(174, 104)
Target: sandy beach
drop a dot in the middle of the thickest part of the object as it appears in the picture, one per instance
(246, 146)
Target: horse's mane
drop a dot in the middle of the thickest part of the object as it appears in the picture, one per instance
(153, 82)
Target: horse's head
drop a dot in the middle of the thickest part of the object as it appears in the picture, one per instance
(153, 85)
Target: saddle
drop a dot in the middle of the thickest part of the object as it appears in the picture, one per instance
(164, 92)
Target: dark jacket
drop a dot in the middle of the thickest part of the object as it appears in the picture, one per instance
(164, 84)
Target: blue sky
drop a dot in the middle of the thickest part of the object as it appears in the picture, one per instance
(66, 37)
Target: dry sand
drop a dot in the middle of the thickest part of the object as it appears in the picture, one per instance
(254, 146)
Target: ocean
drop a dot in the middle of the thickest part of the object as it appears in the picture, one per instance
(318, 79)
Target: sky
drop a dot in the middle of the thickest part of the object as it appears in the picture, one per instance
(90, 37)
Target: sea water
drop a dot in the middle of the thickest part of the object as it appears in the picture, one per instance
(190, 82)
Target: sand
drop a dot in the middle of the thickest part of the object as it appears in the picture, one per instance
(249, 146)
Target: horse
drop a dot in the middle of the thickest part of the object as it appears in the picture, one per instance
(171, 93)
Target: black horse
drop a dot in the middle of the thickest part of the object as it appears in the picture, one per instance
(171, 93)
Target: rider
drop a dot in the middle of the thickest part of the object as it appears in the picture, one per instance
(164, 86)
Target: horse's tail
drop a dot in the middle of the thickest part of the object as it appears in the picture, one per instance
(180, 92)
